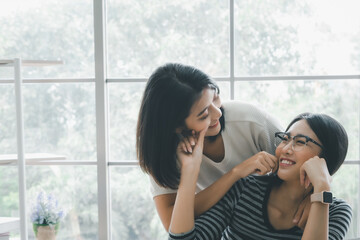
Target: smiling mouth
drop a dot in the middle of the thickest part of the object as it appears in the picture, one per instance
(286, 162)
(217, 122)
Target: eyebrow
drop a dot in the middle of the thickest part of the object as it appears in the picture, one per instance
(297, 135)
(202, 111)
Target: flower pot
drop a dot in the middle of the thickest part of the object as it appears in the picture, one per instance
(45, 231)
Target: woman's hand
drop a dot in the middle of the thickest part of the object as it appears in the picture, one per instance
(182, 219)
(261, 163)
(187, 141)
(315, 171)
(191, 159)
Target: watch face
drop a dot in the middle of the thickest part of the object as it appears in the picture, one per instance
(327, 197)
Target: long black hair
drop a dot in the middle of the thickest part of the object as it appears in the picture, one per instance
(169, 94)
(331, 134)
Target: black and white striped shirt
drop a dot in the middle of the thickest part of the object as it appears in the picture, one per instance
(242, 214)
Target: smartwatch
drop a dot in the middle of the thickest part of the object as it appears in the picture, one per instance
(323, 197)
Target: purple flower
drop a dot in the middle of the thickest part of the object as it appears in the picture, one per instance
(46, 210)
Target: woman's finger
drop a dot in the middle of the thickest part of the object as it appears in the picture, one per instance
(200, 139)
(191, 140)
(183, 146)
(267, 163)
(187, 143)
(262, 170)
(307, 182)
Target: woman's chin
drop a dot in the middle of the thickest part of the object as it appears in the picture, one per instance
(212, 132)
(287, 176)
(284, 175)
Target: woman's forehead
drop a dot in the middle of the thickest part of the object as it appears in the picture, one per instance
(302, 127)
(204, 101)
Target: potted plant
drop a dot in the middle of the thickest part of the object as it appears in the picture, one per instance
(46, 216)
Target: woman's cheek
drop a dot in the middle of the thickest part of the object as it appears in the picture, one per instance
(277, 152)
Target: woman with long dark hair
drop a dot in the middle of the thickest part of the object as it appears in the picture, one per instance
(178, 102)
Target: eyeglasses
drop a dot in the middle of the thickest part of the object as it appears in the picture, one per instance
(298, 142)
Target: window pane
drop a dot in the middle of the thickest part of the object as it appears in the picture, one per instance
(53, 30)
(124, 99)
(147, 34)
(66, 183)
(224, 90)
(7, 119)
(133, 213)
(292, 37)
(286, 99)
(9, 194)
(345, 185)
(60, 119)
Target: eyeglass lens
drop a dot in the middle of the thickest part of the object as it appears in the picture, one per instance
(298, 142)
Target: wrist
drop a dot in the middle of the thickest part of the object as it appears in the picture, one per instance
(190, 172)
(239, 170)
(324, 186)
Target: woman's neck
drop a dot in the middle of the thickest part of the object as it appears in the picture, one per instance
(283, 202)
(215, 149)
(288, 195)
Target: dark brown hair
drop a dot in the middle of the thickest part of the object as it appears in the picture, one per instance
(332, 136)
(168, 97)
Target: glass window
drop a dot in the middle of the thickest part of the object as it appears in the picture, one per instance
(7, 119)
(224, 90)
(9, 193)
(297, 38)
(9, 198)
(287, 99)
(124, 99)
(49, 30)
(133, 213)
(143, 35)
(66, 184)
(60, 119)
(345, 185)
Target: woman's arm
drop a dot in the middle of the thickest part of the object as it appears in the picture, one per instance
(210, 225)
(317, 226)
(260, 163)
(182, 219)
(315, 171)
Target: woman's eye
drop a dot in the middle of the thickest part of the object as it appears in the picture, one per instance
(285, 139)
(300, 142)
(204, 117)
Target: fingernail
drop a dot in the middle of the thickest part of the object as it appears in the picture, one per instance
(192, 142)
(294, 220)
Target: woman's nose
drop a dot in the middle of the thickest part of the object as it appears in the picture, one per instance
(215, 111)
(288, 147)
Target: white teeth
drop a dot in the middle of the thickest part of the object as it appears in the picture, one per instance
(214, 124)
(287, 162)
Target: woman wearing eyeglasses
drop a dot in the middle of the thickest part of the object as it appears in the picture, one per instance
(312, 148)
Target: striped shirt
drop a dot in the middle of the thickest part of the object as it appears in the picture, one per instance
(242, 214)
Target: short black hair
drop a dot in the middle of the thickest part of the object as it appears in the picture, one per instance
(169, 94)
(332, 136)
